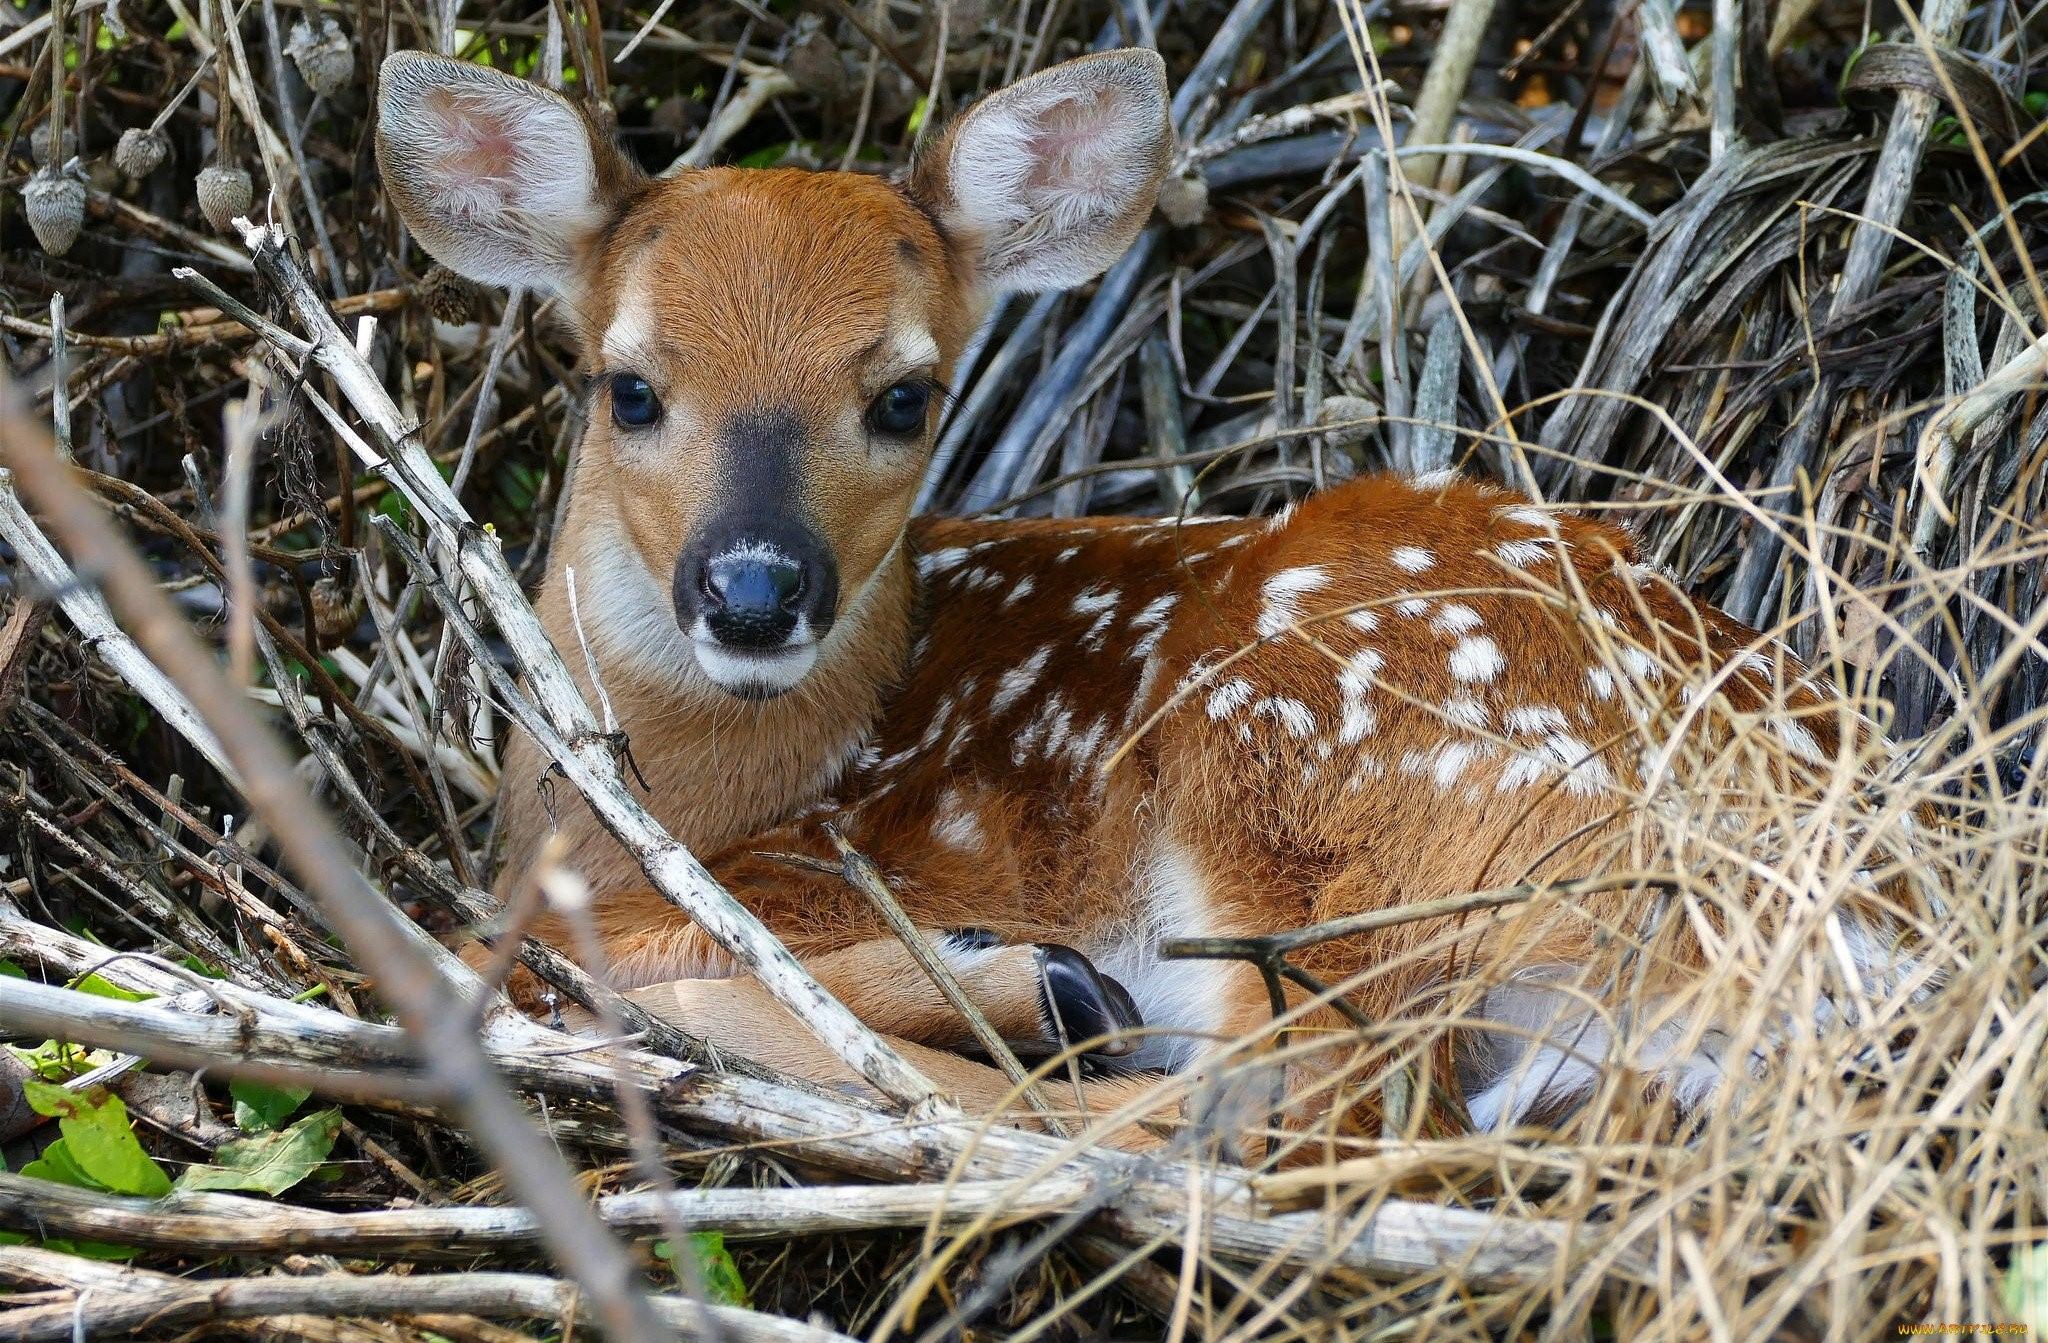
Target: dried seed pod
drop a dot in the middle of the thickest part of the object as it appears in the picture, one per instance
(140, 151)
(1184, 200)
(224, 195)
(54, 202)
(324, 55)
(448, 296)
(39, 145)
(337, 610)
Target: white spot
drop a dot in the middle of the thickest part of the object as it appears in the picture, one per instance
(1279, 521)
(1529, 516)
(1522, 554)
(1155, 611)
(1411, 606)
(1081, 749)
(1535, 719)
(1476, 658)
(1094, 599)
(1020, 678)
(1412, 559)
(957, 827)
(1066, 554)
(1456, 618)
(1283, 592)
(1151, 620)
(1465, 711)
(1229, 697)
(1363, 620)
(1359, 670)
(1802, 742)
(1058, 721)
(1452, 758)
(1291, 714)
(1585, 774)
(1360, 720)
(1022, 590)
(1437, 479)
(1602, 681)
(1640, 664)
(939, 561)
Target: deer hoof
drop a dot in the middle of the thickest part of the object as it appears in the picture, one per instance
(1082, 1003)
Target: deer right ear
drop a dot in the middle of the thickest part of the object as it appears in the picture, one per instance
(1046, 182)
(501, 180)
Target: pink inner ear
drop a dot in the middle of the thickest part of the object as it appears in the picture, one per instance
(478, 148)
(1067, 145)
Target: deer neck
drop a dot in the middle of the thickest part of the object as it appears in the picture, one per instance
(719, 768)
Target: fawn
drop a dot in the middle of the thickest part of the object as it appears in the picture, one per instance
(1063, 740)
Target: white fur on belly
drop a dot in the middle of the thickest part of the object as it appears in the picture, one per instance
(1181, 1001)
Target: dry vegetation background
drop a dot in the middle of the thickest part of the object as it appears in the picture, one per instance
(1761, 278)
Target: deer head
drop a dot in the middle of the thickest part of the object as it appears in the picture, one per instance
(764, 349)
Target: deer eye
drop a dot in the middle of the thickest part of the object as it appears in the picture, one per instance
(634, 404)
(899, 412)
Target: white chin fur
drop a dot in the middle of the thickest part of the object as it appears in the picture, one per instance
(755, 675)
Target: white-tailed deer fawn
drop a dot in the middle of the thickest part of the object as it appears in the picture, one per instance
(1396, 692)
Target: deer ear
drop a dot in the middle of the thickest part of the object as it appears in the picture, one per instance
(1046, 182)
(501, 180)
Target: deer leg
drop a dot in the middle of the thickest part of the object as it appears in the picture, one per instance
(740, 1016)
(1041, 998)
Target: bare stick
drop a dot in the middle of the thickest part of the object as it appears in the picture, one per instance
(229, 1224)
(1450, 69)
(113, 1300)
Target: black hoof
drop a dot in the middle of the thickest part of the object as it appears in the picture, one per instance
(972, 939)
(1082, 1003)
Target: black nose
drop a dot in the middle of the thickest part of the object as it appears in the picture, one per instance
(751, 601)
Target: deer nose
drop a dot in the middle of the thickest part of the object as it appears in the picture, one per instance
(752, 600)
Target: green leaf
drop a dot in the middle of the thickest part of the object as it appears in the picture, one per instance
(58, 1061)
(56, 1166)
(259, 1107)
(102, 988)
(269, 1162)
(91, 1249)
(11, 970)
(99, 1137)
(721, 1276)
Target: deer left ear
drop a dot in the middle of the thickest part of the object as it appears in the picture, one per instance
(1046, 182)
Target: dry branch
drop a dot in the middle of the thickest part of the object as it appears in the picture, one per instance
(114, 1301)
(1139, 1198)
(207, 1224)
